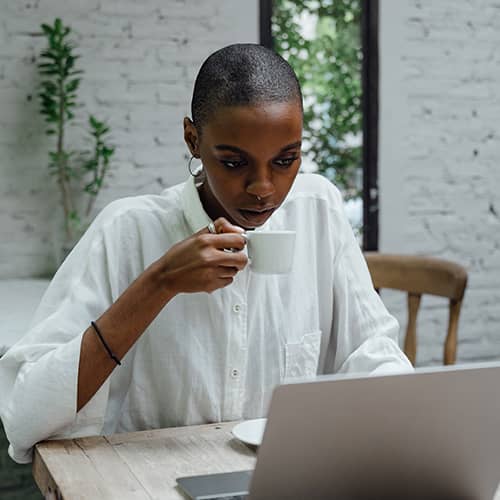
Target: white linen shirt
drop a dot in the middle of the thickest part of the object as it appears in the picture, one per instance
(206, 357)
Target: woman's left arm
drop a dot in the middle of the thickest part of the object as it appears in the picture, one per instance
(364, 335)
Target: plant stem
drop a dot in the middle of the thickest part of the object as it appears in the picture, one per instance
(61, 160)
(92, 197)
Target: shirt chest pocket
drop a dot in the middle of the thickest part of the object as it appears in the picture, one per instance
(301, 358)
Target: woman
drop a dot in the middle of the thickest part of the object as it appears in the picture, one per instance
(198, 336)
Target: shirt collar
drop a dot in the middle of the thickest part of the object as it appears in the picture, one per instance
(194, 212)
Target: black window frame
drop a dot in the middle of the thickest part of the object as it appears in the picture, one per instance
(370, 105)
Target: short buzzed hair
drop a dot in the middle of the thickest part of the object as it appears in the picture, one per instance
(242, 74)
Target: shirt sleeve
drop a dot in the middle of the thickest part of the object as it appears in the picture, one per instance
(39, 374)
(364, 335)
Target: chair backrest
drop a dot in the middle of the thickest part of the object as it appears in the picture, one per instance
(421, 275)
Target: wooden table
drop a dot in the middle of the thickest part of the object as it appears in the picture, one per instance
(136, 465)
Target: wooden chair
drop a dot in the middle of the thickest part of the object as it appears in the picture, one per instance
(421, 275)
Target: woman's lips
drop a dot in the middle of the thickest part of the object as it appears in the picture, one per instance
(256, 216)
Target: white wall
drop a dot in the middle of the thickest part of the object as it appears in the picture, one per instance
(140, 60)
(439, 157)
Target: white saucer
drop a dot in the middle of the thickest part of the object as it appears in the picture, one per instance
(250, 431)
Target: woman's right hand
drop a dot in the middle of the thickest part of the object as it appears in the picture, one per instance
(202, 262)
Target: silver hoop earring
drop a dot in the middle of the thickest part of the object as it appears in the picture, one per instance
(189, 166)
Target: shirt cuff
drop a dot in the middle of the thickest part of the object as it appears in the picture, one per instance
(49, 410)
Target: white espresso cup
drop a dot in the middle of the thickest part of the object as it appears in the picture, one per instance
(271, 252)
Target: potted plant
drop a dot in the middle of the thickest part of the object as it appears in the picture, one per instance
(77, 173)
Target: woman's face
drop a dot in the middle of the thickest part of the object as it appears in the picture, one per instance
(251, 156)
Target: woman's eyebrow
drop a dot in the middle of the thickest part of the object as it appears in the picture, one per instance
(234, 149)
(221, 147)
(292, 146)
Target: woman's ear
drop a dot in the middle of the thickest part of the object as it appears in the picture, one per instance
(191, 137)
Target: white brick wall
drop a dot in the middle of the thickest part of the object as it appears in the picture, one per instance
(440, 155)
(140, 60)
(439, 137)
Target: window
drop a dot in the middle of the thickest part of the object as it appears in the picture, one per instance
(331, 44)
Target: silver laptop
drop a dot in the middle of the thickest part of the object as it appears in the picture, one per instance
(433, 434)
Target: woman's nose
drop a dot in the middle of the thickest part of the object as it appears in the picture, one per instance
(261, 184)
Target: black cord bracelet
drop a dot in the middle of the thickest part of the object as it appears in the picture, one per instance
(111, 355)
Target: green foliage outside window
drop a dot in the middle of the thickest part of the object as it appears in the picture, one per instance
(328, 65)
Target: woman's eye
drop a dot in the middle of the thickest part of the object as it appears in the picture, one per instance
(232, 163)
(285, 162)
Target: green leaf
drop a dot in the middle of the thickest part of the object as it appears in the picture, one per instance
(47, 66)
(73, 216)
(48, 86)
(50, 132)
(50, 54)
(91, 188)
(91, 164)
(47, 29)
(50, 72)
(52, 119)
(94, 123)
(108, 151)
(49, 111)
(48, 104)
(72, 85)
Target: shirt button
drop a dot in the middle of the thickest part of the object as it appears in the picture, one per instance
(235, 373)
(236, 308)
